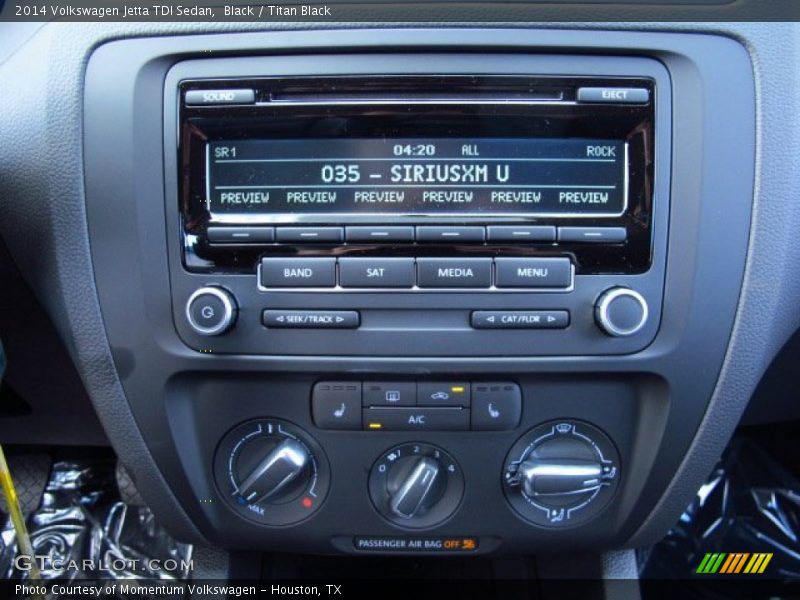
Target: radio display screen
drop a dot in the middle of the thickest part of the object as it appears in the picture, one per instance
(280, 179)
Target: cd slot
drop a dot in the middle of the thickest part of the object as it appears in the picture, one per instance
(413, 98)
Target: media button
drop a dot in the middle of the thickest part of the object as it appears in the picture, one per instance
(523, 233)
(432, 233)
(311, 319)
(454, 272)
(520, 319)
(312, 235)
(390, 393)
(415, 419)
(298, 272)
(380, 234)
(533, 272)
(596, 235)
(361, 272)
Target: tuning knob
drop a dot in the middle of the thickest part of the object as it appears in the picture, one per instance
(211, 311)
(416, 485)
(561, 473)
(621, 312)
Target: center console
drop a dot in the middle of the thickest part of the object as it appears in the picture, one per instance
(438, 295)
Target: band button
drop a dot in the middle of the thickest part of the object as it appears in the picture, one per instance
(298, 272)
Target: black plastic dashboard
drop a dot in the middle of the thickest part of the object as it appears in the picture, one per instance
(657, 406)
(638, 410)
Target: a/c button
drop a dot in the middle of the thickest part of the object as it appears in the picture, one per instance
(412, 419)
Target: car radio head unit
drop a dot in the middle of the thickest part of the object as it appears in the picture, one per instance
(456, 164)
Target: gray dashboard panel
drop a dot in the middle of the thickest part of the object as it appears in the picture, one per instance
(43, 114)
(711, 175)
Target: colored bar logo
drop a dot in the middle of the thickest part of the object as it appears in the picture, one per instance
(734, 563)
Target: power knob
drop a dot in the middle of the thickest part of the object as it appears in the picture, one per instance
(621, 312)
(211, 311)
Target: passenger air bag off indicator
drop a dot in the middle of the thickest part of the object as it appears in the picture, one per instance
(416, 544)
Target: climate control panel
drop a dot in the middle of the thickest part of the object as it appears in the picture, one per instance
(416, 405)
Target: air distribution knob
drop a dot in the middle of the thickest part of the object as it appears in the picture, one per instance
(621, 312)
(416, 485)
(561, 473)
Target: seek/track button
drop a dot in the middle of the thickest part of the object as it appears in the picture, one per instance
(311, 319)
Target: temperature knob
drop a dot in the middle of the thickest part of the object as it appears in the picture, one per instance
(416, 485)
(561, 473)
(271, 472)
